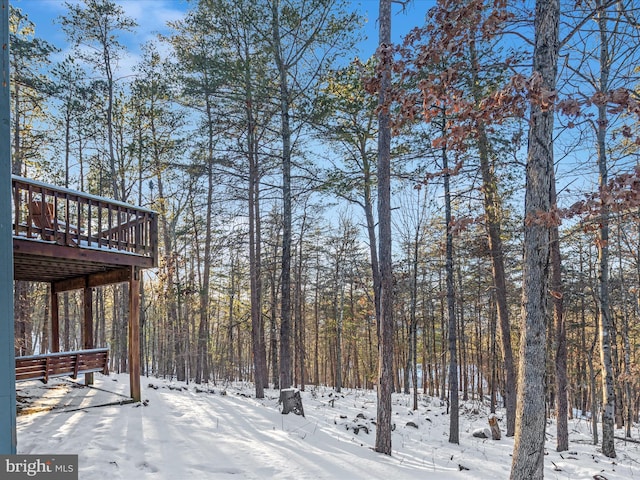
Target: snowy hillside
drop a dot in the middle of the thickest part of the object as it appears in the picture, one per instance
(217, 432)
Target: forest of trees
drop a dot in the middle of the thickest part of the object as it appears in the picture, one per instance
(501, 228)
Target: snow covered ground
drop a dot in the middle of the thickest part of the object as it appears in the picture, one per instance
(222, 432)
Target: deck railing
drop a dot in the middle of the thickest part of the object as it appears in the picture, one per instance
(68, 217)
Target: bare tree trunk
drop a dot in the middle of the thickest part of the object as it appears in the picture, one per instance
(528, 451)
(316, 315)
(202, 340)
(494, 362)
(434, 355)
(608, 388)
(285, 273)
(23, 325)
(443, 343)
(298, 337)
(299, 328)
(492, 208)
(180, 334)
(273, 333)
(628, 387)
(255, 267)
(413, 334)
(172, 347)
(44, 343)
(494, 236)
(385, 347)
(255, 239)
(593, 380)
(202, 345)
(463, 371)
(66, 342)
(231, 357)
(454, 433)
(301, 315)
(371, 232)
(339, 315)
(118, 339)
(562, 412)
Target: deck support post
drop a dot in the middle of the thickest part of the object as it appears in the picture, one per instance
(55, 321)
(134, 334)
(87, 330)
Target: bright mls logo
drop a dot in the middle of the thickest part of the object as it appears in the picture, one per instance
(50, 467)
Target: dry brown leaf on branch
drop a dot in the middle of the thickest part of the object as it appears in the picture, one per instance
(556, 294)
(569, 107)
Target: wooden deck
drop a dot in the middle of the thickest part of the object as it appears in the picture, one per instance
(61, 235)
(73, 240)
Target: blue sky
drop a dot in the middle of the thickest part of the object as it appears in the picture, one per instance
(152, 15)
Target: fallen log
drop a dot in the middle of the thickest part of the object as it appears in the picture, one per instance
(627, 439)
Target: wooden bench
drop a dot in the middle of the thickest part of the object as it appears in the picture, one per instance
(62, 364)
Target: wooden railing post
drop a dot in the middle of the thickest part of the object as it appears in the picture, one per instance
(55, 321)
(134, 334)
(87, 331)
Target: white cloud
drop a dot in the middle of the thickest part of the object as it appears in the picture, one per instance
(150, 15)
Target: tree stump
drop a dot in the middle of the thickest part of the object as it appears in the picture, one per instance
(495, 428)
(291, 401)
